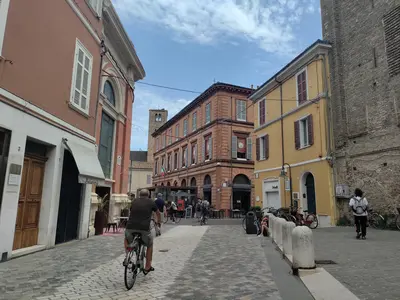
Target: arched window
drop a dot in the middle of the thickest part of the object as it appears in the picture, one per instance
(109, 92)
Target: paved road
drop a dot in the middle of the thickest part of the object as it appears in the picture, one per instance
(202, 262)
(370, 268)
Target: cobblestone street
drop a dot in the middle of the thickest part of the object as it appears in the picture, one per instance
(370, 268)
(202, 262)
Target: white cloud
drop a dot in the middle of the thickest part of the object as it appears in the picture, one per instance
(145, 100)
(269, 24)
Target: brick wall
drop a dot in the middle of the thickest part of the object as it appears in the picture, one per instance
(365, 99)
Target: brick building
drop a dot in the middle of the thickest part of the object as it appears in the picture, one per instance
(206, 149)
(365, 78)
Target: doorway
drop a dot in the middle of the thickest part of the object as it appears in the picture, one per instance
(207, 188)
(241, 191)
(310, 190)
(272, 200)
(70, 201)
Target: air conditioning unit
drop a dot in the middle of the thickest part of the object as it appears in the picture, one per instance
(342, 191)
(296, 196)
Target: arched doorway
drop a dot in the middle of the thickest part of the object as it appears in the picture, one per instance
(207, 195)
(193, 182)
(175, 183)
(162, 184)
(309, 182)
(168, 183)
(183, 183)
(241, 193)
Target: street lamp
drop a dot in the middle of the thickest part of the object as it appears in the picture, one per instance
(284, 175)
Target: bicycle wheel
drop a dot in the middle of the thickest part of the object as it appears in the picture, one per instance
(291, 218)
(178, 217)
(130, 270)
(397, 222)
(166, 219)
(244, 224)
(312, 221)
(376, 221)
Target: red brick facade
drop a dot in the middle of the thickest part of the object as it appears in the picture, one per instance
(222, 125)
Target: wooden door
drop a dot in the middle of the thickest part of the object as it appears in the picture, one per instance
(30, 196)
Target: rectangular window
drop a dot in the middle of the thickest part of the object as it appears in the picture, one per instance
(177, 132)
(207, 148)
(261, 112)
(169, 163)
(106, 144)
(185, 127)
(176, 160)
(164, 141)
(391, 25)
(156, 167)
(157, 144)
(263, 148)
(194, 121)
(96, 6)
(304, 132)
(194, 154)
(241, 110)
(184, 157)
(148, 181)
(81, 78)
(170, 136)
(302, 87)
(208, 113)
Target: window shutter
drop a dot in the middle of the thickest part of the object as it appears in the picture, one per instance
(297, 135)
(310, 130)
(234, 146)
(249, 148)
(266, 146)
(211, 147)
(257, 148)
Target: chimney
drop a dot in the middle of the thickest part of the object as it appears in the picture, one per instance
(251, 86)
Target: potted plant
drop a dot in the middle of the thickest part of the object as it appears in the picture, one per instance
(100, 215)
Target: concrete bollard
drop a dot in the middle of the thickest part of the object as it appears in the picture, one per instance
(287, 238)
(271, 226)
(279, 226)
(303, 249)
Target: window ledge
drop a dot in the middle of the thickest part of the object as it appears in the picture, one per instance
(78, 110)
(304, 147)
(241, 120)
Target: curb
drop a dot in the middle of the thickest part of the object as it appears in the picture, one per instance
(320, 283)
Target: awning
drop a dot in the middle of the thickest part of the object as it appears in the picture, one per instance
(241, 187)
(90, 171)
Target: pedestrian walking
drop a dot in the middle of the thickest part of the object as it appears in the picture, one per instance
(359, 206)
(161, 207)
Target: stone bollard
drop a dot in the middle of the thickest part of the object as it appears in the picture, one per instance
(303, 249)
(271, 226)
(287, 238)
(279, 226)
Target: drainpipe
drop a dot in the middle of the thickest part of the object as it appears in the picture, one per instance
(102, 53)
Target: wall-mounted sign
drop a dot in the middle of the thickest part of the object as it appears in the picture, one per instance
(274, 186)
(258, 198)
(15, 174)
(287, 185)
(119, 160)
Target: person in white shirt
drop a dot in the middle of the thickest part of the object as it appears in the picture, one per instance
(359, 206)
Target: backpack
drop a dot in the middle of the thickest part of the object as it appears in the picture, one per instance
(359, 206)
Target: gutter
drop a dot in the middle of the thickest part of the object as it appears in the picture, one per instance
(103, 52)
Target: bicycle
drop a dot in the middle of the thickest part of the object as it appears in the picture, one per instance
(203, 219)
(135, 260)
(178, 217)
(376, 220)
(308, 219)
(153, 225)
(397, 220)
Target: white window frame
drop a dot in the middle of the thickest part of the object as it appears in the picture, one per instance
(194, 121)
(4, 4)
(259, 111)
(208, 114)
(96, 6)
(80, 46)
(297, 84)
(239, 103)
(303, 126)
(262, 147)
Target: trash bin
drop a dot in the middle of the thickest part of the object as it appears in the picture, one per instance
(250, 227)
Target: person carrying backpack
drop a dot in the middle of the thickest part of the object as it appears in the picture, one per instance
(359, 206)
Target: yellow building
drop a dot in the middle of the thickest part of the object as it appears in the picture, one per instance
(293, 137)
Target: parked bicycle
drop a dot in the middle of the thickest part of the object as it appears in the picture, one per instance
(376, 220)
(305, 219)
(135, 261)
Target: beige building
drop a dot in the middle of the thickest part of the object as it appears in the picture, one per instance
(141, 162)
(140, 172)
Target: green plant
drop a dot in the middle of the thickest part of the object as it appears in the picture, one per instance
(102, 203)
(255, 208)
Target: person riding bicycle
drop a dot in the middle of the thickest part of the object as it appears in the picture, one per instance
(139, 223)
(205, 206)
(172, 210)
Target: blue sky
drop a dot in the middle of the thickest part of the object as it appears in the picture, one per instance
(188, 44)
